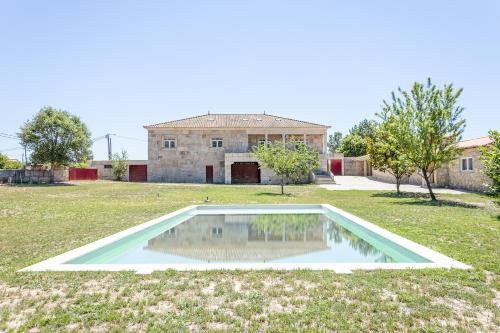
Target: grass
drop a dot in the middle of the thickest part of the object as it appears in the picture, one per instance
(42, 221)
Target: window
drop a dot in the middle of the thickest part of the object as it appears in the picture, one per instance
(466, 164)
(169, 143)
(108, 166)
(170, 233)
(217, 232)
(261, 142)
(216, 142)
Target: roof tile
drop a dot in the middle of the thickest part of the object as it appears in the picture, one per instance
(236, 120)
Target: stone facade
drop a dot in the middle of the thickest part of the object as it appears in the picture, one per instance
(194, 151)
(471, 180)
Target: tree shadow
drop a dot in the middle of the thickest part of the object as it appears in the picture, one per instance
(38, 185)
(412, 195)
(429, 202)
(273, 194)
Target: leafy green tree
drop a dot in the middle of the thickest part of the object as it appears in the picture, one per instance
(353, 145)
(56, 137)
(290, 163)
(386, 152)
(490, 157)
(334, 142)
(119, 165)
(6, 163)
(365, 129)
(432, 124)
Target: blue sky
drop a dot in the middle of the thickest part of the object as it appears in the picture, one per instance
(120, 65)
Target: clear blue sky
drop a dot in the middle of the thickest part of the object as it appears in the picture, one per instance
(120, 65)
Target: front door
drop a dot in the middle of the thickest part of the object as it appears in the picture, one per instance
(209, 174)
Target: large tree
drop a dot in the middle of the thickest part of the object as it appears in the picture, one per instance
(386, 151)
(490, 157)
(432, 124)
(334, 142)
(56, 137)
(355, 143)
(288, 163)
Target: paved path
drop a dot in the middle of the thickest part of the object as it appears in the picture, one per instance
(365, 183)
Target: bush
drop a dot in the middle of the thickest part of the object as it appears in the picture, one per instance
(119, 164)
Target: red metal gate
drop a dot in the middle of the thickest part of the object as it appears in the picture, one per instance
(82, 174)
(245, 172)
(336, 167)
(138, 173)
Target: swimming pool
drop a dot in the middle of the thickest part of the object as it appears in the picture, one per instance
(207, 237)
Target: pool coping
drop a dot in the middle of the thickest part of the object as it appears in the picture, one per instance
(57, 263)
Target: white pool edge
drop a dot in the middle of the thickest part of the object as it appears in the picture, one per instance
(57, 263)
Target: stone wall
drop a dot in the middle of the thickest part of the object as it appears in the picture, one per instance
(105, 170)
(34, 175)
(474, 180)
(356, 166)
(413, 179)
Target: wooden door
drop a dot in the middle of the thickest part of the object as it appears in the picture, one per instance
(209, 169)
(245, 173)
(138, 173)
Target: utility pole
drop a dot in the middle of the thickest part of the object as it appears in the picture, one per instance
(110, 151)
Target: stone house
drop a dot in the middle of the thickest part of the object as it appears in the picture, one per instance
(215, 148)
(465, 172)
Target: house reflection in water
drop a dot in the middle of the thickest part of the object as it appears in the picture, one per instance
(256, 238)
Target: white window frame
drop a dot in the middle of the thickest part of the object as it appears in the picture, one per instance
(469, 163)
(170, 145)
(219, 143)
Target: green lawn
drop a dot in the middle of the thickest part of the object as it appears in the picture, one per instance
(39, 222)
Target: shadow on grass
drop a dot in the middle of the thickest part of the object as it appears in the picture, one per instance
(401, 195)
(39, 185)
(428, 202)
(273, 194)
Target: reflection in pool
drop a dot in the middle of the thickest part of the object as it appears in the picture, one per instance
(284, 238)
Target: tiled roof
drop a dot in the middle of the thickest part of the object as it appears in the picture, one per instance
(236, 120)
(484, 141)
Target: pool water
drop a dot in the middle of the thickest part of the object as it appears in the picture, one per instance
(252, 238)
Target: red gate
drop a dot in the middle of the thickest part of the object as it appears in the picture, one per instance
(137, 173)
(336, 167)
(82, 174)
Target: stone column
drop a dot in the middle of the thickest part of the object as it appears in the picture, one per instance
(283, 138)
(305, 139)
(265, 139)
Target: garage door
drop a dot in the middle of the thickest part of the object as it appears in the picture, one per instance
(137, 173)
(245, 173)
(82, 174)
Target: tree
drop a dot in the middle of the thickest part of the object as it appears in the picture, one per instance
(432, 125)
(490, 157)
(353, 145)
(290, 163)
(386, 152)
(365, 129)
(56, 137)
(6, 163)
(119, 165)
(334, 142)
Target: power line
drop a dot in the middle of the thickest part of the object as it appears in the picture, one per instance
(12, 149)
(130, 138)
(8, 136)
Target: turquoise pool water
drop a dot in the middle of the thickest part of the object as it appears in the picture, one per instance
(252, 238)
